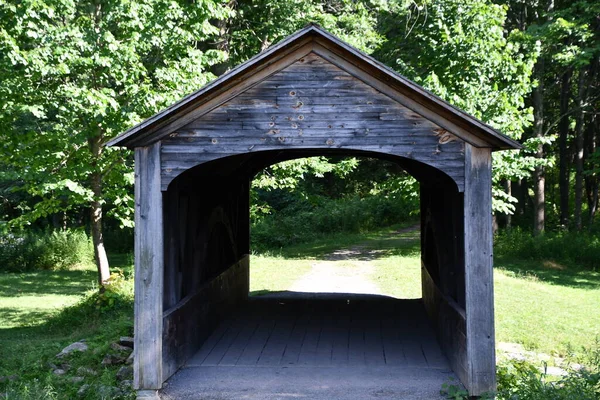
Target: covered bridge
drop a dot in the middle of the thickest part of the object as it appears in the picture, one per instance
(311, 94)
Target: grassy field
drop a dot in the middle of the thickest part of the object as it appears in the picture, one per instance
(42, 312)
(545, 306)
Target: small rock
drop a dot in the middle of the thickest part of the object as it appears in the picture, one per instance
(108, 392)
(555, 371)
(124, 373)
(82, 390)
(126, 341)
(119, 348)
(77, 346)
(4, 379)
(112, 359)
(86, 371)
(129, 360)
(77, 379)
(126, 385)
(59, 372)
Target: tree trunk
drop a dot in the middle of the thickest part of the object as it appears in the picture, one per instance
(591, 146)
(539, 177)
(592, 181)
(563, 133)
(508, 190)
(579, 148)
(102, 265)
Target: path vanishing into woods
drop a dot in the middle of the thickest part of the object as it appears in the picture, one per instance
(347, 270)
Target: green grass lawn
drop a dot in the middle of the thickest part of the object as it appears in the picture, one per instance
(42, 312)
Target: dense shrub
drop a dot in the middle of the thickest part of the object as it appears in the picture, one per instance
(522, 380)
(302, 224)
(44, 250)
(578, 249)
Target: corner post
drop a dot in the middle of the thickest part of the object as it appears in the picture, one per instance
(149, 260)
(479, 279)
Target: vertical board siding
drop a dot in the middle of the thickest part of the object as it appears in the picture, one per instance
(311, 104)
(149, 259)
(479, 283)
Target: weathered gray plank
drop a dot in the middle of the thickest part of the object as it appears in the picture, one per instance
(341, 331)
(208, 347)
(392, 345)
(356, 340)
(257, 342)
(479, 289)
(374, 344)
(226, 339)
(149, 259)
(291, 353)
(308, 352)
(275, 346)
(235, 350)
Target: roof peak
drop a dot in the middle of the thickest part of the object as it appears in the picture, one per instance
(423, 102)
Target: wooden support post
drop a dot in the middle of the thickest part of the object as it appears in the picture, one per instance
(149, 259)
(479, 289)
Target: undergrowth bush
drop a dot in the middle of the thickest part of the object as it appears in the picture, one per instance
(31, 251)
(328, 216)
(578, 249)
(522, 380)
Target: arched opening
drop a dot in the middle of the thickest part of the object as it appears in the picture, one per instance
(208, 262)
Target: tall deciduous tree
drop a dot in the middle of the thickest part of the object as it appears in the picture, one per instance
(461, 52)
(74, 74)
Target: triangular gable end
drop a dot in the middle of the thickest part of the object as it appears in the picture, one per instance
(315, 41)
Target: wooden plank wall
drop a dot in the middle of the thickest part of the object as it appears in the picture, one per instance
(147, 371)
(311, 104)
(191, 321)
(442, 275)
(206, 259)
(479, 274)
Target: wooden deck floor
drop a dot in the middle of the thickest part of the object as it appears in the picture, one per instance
(324, 330)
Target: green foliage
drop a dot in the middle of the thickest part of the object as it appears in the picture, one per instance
(461, 52)
(74, 74)
(260, 23)
(572, 248)
(329, 216)
(522, 380)
(29, 251)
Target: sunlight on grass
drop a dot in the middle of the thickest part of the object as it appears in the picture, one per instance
(29, 299)
(275, 274)
(398, 276)
(542, 316)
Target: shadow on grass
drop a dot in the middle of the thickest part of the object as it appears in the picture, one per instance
(362, 247)
(67, 282)
(549, 272)
(46, 282)
(18, 317)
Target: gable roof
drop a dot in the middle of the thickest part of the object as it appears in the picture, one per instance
(313, 38)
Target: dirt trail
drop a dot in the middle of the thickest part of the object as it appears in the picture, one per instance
(343, 271)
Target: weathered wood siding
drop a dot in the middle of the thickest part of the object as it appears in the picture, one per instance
(192, 320)
(311, 104)
(479, 274)
(206, 259)
(149, 260)
(442, 273)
